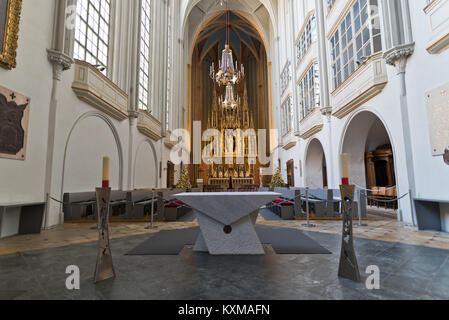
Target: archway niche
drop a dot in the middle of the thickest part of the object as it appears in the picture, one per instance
(146, 167)
(371, 157)
(366, 137)
(90, 140)
(316, 169)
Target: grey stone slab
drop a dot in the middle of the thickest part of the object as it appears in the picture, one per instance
(200, 245)
(227, 207)
(243, 239)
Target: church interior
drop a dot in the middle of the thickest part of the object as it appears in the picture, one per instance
(224, 150)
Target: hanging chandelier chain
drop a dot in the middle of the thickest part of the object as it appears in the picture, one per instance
(228, 74)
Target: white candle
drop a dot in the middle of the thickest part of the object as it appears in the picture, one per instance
(106, 172)
(344, 168)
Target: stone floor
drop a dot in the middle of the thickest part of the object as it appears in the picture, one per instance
(413, 265)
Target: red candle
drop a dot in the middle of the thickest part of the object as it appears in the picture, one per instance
(106, 166)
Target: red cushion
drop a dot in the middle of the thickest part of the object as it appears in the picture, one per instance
(180, 203)
(287, 203)
(172, 205)
(278, 201)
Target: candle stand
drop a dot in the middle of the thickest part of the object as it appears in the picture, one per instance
(104, 269)
(348, 267)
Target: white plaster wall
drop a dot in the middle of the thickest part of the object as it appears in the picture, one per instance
(425, 72)
(24, 180)
(91, 140)
(146, 167)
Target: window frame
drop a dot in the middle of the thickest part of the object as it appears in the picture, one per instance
(148, 107)
(309, 84)
(307, 37)
(344, 53)
(287, 116)
(108, 72)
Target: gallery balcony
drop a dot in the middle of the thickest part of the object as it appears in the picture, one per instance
(94, 88)
(437, 12)
(149, 125)
(366, 82)
(289, 140)
(311, 124)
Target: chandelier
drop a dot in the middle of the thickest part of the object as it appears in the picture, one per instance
(230, 101)
(227, 73)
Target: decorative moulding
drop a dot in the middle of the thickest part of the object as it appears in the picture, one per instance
(364, 84)
(96, 89)
(149, 125)
(398, 54)
(437, 12)
(60, 61)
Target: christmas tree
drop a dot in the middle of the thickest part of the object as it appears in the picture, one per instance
(277, 181)
(184, 180)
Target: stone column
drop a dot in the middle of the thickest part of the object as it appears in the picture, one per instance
(326, 108)
(133, 115)
(60, 62)
(295, 61)
(398, 57)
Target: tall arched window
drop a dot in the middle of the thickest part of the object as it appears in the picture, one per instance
(92, 32)
(145, 56)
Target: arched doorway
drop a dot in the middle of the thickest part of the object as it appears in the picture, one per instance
(371, 157)
(248, 49)
(316, 168)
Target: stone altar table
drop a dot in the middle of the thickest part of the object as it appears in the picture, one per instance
(227, 221)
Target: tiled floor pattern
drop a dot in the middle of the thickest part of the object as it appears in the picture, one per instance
(406, 272)
(378, 228)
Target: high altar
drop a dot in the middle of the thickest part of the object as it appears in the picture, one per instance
(234, 152)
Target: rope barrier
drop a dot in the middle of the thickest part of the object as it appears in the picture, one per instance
(85, 202)
(372, 190)
(390, 200)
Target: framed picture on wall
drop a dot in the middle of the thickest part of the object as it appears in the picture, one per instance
(14, 116)
(9, 30)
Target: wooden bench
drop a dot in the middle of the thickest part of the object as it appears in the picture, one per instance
(138, 204)
(82, 205)
(212, 188)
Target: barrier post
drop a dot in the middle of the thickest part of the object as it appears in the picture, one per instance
(308, 224)
(359, 209)
(151, 226)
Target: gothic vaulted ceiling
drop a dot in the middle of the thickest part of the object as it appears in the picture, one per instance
(241, 35)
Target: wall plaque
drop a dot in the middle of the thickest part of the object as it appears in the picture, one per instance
(14, 117)
(437, 102)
